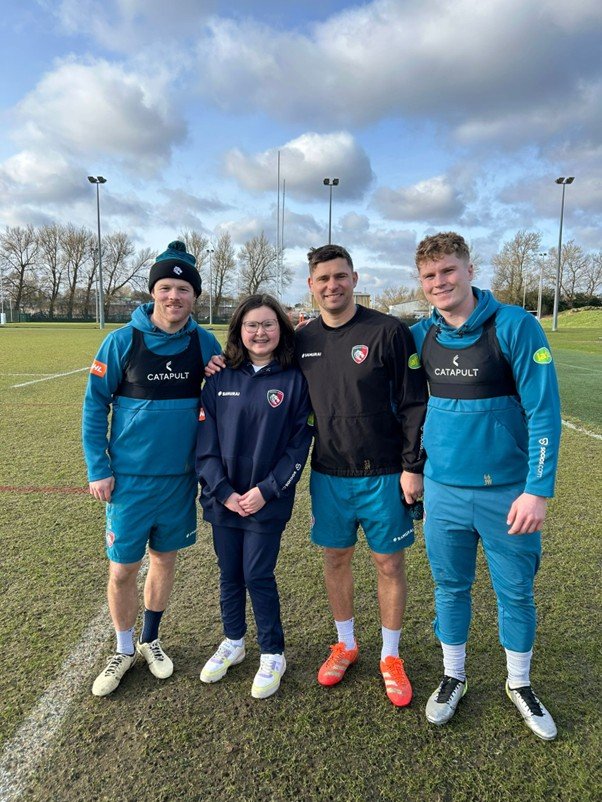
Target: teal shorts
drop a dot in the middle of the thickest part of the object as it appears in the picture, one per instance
(340, 504)
(158, 510)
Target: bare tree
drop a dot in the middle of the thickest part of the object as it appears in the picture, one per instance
(223, 268)
(198, 245)
(575, 270)
(18, 251)
(515, 267)
(51, 263)
(593, 279)
(395, 295)
(259, 267)
(79, 246)
(122, 266)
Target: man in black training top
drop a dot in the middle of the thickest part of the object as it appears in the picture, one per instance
(368, 393)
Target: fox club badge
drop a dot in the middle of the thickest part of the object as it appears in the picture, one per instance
(359, 353)
(275, 398)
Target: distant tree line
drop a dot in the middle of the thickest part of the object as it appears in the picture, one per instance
(52, 271)
(522, 266)
(518, 270)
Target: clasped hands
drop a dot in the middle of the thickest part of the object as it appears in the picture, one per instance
(247, 504)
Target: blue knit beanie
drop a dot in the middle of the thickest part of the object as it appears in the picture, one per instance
(175, 262)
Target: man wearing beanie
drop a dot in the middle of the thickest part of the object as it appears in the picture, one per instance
(147, 378)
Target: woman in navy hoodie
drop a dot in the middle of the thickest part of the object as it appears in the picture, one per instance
(252, 444)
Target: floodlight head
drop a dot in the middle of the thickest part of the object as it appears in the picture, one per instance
(91, 179)
(570, 179)
(326, 182)
(560, 180)
(335, 182)
(101, 180)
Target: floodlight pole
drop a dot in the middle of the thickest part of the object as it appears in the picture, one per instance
(564, 181)
(98, 180)
(330, 182)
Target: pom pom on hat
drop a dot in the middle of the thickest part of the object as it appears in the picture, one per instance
(175, 262)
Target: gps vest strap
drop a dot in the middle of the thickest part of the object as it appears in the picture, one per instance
(161, 377)
(479, 371)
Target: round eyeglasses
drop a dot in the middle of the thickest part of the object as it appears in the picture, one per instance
(253, 326)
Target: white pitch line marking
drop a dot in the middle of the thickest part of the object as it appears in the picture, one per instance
(579, 429)
(24, 753)
(47, 378)
(578, 367)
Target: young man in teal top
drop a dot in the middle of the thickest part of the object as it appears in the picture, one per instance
(147, 377)
(491, 437)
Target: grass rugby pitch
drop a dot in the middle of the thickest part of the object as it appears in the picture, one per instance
(182, 740)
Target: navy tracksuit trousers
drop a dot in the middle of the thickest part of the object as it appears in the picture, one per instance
(247, 561)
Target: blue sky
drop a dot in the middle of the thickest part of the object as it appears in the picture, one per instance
(443, 114)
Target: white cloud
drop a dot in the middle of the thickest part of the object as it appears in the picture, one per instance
(463, 63)
(434, 200)
(304, 163)
(125, 25)
(100, 110)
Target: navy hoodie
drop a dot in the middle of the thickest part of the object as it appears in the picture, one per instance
(253, 432)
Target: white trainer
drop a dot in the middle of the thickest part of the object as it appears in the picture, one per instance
(443, 703)
(159, 663)
(536, 717)
(227, 654)
(267, 679)
(106, 682)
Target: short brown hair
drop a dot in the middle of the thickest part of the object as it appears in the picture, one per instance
(236, 353)
(433, 248)
(326, 253)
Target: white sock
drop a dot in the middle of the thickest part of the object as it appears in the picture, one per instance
(125, 641)
(518, 665)
(390, 646)
(454, 660)
(345, 633)
(237, 643)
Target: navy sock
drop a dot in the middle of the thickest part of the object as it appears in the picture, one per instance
(150, 625)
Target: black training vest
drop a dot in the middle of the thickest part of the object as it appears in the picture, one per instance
(479, 371)
(155, 377)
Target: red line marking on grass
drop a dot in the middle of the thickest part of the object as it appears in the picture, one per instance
(34, 489)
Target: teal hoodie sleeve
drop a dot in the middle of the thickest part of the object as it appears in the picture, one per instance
(524, 344)
(105, 376)
(209, 344)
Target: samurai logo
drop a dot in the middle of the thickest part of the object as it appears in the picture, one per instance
(110, 538)
(275, 398)
(177, 270)
(359, 353)
(414, 362)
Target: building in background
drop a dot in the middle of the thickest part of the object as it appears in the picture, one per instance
(411, 310)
